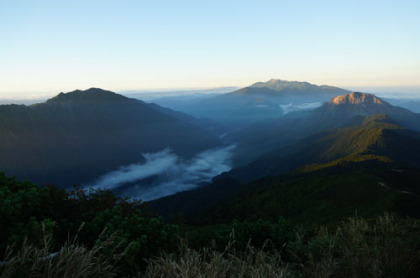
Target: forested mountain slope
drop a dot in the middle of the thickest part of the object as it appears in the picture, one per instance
(371, 167)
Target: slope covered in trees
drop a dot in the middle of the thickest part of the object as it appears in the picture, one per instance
(371, 168)
(372, 136)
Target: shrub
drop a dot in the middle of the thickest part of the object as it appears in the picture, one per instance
(25, 208)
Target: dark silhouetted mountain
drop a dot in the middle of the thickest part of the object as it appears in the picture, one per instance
(92, 95)
(370, 167)
(77, 136)
(339, 112)
(261, 101)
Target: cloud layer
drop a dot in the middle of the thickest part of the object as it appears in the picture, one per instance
(165, 173)
(287, 108)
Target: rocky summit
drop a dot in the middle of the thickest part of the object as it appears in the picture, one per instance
(356, 98)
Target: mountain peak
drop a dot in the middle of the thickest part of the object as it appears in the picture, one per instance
(345, 107)
(296, 87)
(278, 84)
(356, 98)
(89, 95)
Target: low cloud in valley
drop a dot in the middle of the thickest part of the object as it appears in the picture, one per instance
(165, 173)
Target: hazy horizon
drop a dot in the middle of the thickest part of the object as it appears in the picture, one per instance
(52, 47)
(150, 94)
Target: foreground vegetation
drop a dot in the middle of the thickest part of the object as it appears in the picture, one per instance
(388, 247)
(47, 232)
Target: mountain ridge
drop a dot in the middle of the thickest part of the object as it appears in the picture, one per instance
(260, 101)
(354, 142)
(279, 85)
(261, 138)
(335, 172)
(75, 137)
(89, 95)
(283, 88)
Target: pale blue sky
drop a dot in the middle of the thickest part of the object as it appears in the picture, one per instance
(52, 46)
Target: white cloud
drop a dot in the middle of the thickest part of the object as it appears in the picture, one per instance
(164, 173)
(287, 108)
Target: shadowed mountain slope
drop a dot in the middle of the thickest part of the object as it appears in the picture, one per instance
(76, 137)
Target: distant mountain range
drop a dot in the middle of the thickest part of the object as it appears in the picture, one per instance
(294, 89)
(411, 104)
(77, 136)
(260, 101)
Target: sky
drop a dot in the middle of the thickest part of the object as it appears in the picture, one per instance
(53, 46)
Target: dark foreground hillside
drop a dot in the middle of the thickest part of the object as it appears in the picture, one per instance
(47, 232)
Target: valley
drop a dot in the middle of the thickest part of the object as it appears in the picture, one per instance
(99, 139)
(274, 160)
(210, 139)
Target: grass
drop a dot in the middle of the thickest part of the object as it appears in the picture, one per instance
(211, 263)
(387, 246)
(71, 260)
